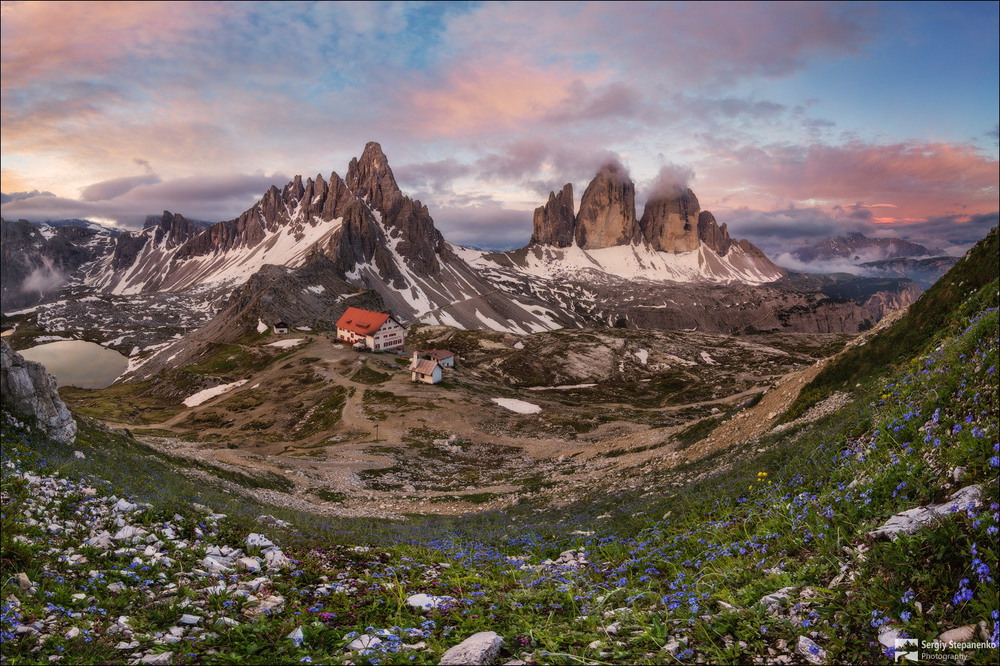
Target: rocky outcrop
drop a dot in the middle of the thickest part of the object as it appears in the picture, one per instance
(607, 211)
(553, 223)
(711, 234)
(911, 521)
(28, 388)
(670, 221)
(167, 231)
(172, 229)
(478, 649)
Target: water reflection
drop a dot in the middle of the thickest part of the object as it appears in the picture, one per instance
(79, 363)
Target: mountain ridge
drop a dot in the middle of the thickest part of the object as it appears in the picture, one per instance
(365, 231)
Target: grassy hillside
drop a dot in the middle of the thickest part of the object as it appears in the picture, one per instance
(926, 319)
(757, 555)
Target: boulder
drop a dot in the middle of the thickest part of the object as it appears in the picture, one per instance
(481, 648)
(910, 521)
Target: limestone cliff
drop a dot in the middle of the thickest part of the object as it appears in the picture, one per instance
(28, 388)
(670, 221)
(607, 211)
(553, 222)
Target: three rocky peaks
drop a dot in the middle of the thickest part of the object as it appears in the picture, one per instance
(672, 220)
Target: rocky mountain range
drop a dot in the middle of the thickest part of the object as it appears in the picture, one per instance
(924, 271)
(318, 242)
(858, 247)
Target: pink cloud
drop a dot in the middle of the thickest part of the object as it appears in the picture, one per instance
(477, 96)
(91, 35)
(917, 178)
(670, 38)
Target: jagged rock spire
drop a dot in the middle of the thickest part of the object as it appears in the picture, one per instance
(371, 178)
(553, 222)
(711, 234)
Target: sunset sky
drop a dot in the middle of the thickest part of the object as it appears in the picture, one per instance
(789, 121)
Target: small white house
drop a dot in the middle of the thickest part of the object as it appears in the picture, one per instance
(376, 330)
(444, 357)
(281, 328)
(425, 370)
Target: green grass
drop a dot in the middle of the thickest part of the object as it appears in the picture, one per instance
(134, 403)
(324, 415)
(367, 375)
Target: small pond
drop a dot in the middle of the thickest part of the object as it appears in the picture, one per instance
(79, 363)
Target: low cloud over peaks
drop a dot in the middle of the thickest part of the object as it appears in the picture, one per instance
(615, 171)
(115, 187)
(672, 179)
(129, 200)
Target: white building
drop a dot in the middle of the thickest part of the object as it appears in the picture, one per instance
(444, 357)
(376, 330)
(425, 370)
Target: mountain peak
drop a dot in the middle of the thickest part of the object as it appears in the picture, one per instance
(553, 222)
(370, 178)
(670, 220)
(607, 210)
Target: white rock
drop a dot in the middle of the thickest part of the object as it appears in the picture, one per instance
(23, 582)
(214, 565)
(276, 559)
(477, 649)
(908, 522)
(271, 520)
(887, 635)
(810, 651)
(190, 620)
(255, 540)
(129, 532)
(251, 564)
(124, 505)
(161, 658)
(427, 601)
(775, 601)
(364, 642)
(964, 634)
(296, 636)
(73, 633)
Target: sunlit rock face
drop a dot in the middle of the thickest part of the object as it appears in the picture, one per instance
(607, 211)
(670, 221)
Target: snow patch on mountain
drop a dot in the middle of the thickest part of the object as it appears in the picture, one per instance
(202, 396)
(635, 262)
(519, 406)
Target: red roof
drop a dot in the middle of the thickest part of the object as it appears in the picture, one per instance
(363, 322)
(439, 354)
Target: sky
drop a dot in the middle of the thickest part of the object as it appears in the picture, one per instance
(791, 122)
